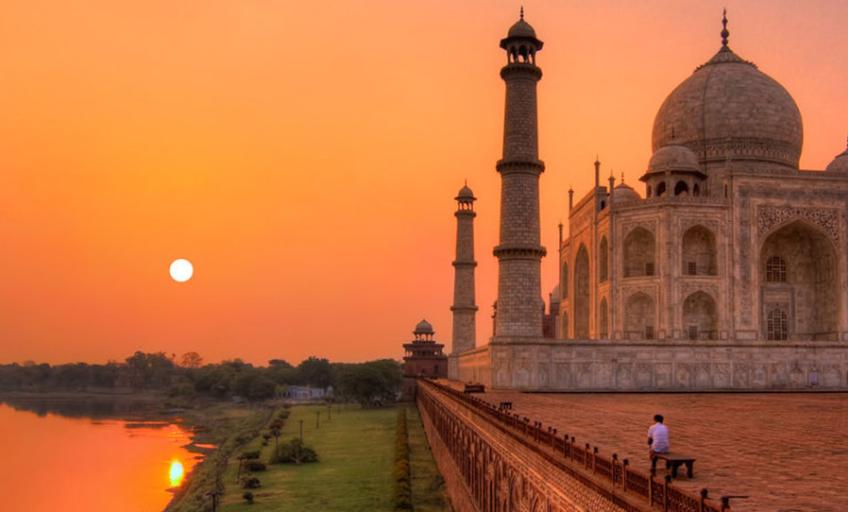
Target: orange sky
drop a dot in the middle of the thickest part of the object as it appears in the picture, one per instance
(304, 155)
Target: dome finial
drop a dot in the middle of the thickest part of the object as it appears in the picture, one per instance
(622, 177)
(724, 32)
(521, 12)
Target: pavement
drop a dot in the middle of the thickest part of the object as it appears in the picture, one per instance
(788, 452)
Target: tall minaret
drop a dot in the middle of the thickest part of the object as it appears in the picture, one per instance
(520, 251)
(464, 309)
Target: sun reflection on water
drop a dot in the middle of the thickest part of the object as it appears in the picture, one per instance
(176, 473)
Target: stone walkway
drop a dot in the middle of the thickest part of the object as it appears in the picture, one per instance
(788, 452)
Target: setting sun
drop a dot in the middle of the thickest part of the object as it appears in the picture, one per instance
(176, 473)
(181, 270)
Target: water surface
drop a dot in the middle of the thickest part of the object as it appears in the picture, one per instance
(87, 458)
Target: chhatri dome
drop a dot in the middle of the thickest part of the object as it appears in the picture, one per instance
(423, 327)
(673, 158)
(521, 28)
(624, 193)
(729, 110)
(840, 163)
(465, 193)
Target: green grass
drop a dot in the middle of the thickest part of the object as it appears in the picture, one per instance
(428, 486)
(355, 451)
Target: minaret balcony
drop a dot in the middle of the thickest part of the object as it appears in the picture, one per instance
(534, 167)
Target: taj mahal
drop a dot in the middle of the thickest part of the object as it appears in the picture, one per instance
(727, 270)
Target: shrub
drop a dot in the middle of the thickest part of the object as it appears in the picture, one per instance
(250, 483)
(248, 497)
(255, 465)
(284, 414)
(250, 454)
(293, 452)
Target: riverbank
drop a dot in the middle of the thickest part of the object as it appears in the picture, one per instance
(226, 427)
(216, 428)
(355, 448)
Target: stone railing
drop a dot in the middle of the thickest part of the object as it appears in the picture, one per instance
(484, 472)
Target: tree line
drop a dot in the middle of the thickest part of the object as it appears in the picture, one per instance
(370, 382)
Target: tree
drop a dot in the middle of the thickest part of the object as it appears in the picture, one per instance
(371, 382)
(315, 372)
(261, 388)
(191, 360)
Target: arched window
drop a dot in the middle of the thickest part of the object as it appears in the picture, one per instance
(778, 325)
(603, 260)
(661, 189)
(563, 290)
(696, 190)
(776, 270)
(681, 188)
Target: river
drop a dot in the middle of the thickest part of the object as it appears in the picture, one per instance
(88, 456)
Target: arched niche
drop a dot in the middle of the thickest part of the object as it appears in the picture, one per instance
(699, 252)
(799, 281)
(581, 293)
(639, 253)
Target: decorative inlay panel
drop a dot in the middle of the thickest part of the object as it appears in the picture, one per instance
(769, 217)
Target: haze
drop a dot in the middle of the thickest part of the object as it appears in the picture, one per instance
(305, 155)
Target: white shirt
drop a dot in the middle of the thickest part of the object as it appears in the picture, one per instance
(659, 433)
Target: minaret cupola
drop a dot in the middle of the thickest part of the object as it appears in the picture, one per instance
(521, 43)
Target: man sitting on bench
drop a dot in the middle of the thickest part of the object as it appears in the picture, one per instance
(657, 437)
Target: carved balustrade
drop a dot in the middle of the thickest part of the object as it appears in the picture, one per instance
(495, 485)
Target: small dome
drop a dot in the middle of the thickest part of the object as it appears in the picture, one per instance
(840, 163)
(673, 158)
(624, 193)
(521, 29)
(423, 327)
(465, 193)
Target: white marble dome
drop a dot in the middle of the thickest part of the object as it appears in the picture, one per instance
(730, 110)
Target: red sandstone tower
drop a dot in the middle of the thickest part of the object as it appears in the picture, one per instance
(423, 357)
(519, 253)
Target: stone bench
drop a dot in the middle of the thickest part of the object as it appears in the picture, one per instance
(673, 461)
(474, 388)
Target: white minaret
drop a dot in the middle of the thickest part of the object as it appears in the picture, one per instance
(520, 252)
(464, 309)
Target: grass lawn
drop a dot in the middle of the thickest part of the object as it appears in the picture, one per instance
(355, 451)
(428, 486)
